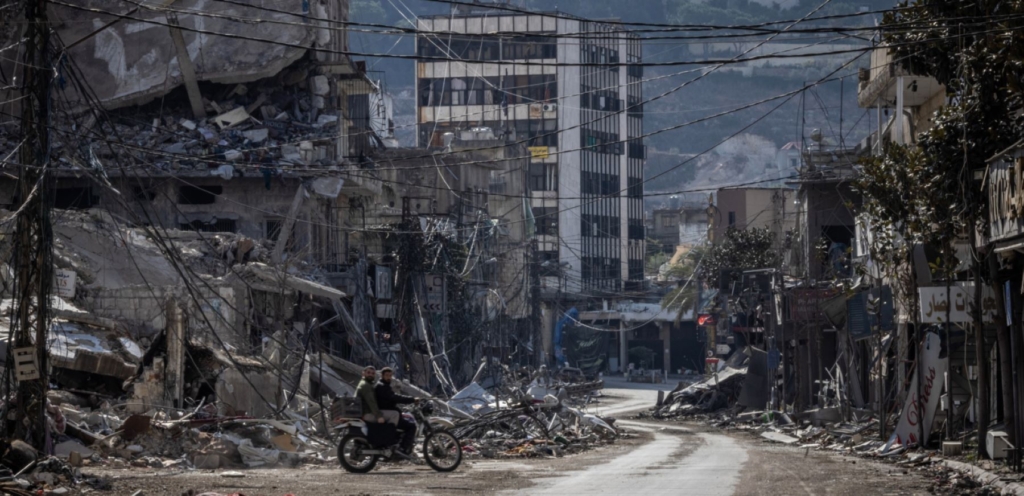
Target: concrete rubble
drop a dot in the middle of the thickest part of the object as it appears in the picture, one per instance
(525, 414)
(144, 395)
(255, 129)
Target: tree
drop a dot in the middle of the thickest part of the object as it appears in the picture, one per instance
(925, 193)
(685, 294)
(740, 249)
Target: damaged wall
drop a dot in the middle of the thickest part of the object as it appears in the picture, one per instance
(134, 61)
(255, 207)
(236, 396)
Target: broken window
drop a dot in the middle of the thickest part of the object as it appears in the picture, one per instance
(199, 195)
(69, 198)
(543, 177)
(548, 263)
(546, 220)
(217, 225)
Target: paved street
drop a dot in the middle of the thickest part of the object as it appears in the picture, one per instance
(659, 459)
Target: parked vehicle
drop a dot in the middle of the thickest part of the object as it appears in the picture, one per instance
(364, 444)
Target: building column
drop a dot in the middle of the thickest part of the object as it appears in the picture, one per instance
(623, 347)
(665, 333)
(547, 334)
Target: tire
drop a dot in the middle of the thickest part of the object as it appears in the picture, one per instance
(442, 451)
(354, 442)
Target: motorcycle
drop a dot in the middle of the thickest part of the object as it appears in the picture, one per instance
(364, 444)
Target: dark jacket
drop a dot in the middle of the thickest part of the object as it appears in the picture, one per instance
(387, 399)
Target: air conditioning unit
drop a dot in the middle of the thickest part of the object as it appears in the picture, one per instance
(550, 107)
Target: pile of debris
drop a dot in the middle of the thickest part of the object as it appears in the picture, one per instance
(713, 394)
(284, 121)
(531, 414)
(25, 473)
(824, 429)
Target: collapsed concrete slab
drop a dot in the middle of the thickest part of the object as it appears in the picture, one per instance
(129, 57)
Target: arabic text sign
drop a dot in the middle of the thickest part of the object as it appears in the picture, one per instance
(934, 304)
(65, 282)
(934, 371)
(805, 304)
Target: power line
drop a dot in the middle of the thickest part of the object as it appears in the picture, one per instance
(445, 59)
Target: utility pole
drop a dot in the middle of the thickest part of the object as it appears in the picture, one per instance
(33, 236)
(535, 317)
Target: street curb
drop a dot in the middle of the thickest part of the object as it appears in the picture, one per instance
(986, 477)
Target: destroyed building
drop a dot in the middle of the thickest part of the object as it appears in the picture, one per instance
(273, 149)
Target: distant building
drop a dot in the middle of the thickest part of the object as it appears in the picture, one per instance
(787, 159)
(746, 208)
(683, 226)
(586, 171)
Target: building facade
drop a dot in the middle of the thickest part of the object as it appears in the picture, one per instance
(576, 103)
(749, 208)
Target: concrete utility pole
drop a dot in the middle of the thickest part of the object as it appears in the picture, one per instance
(535, 315)
(33, 235)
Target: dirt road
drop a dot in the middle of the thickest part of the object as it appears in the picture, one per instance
(658, 459)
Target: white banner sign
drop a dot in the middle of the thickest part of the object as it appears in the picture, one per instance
(907, 429)
(959, 305)
(65, 281)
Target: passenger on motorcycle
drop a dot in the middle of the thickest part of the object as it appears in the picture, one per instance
(368, 398)
(388, 401)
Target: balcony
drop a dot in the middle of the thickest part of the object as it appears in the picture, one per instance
(878, 84)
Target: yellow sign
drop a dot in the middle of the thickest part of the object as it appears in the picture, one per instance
(539, 151)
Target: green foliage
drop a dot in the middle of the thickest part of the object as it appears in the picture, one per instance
(655, 261)
(682, 298)
(925, 193)
(741, 249)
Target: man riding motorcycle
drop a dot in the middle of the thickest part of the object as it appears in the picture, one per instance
(388, 401)
(368, 399)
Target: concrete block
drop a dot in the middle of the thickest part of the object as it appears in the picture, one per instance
(825, 415)
(210, 461)
(321, 85)
(997, 443)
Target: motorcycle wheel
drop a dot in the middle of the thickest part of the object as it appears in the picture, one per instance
(350, 454)
(442, 451)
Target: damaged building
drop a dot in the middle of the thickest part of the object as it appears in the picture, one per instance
(251, 186)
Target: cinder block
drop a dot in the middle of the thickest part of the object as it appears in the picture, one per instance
(952, 448)
(206, 461)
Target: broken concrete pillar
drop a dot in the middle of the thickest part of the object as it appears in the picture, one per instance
(188, 72)
(282, 238)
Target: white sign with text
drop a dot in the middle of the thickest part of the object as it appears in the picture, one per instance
(959, 305)
(934, 370)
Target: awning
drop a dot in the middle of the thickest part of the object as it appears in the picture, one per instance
(1009, 245)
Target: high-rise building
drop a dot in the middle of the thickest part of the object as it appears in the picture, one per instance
(571, 89)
